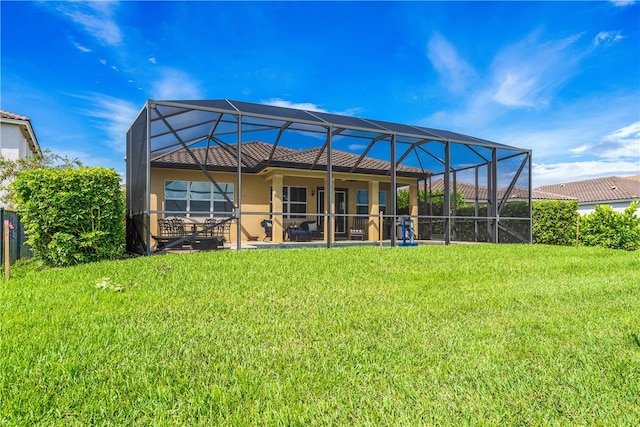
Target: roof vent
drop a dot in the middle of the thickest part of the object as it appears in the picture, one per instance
(613, 187)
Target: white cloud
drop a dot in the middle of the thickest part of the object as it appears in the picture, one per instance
(455, 72)
(554, 173)
(95, 18)
(112, 116)
(277, 102)
(607, 38)
(308, 106)
(580, 150)
(622, 3)
(103, 61)
(527, 73)
(81, 48)
(621, 143)
(175, 84)
(153, 60)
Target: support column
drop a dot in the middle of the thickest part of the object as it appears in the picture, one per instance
(373, 231)
(276, 208)
(329, 193)
(447, 193)
(330, 210)
(393, 191)
(413, 206)
(238, 210)
(493, 196)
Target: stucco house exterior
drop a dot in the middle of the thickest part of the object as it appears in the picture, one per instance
(17, 137)
(280, 183)
(616, 191)
(243, 163)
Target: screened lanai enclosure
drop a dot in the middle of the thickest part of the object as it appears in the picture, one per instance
(241, 175)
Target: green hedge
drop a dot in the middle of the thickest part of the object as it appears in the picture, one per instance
(72, 216)
(554, 222)
(607, 228)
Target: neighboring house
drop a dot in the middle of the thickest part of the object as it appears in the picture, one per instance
(517, 193)
(243, 163)
(17, 137)
(615, 191)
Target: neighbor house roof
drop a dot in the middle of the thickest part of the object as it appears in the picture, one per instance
(598, 189)
(25, 126)
(255, 157)
(469, 192)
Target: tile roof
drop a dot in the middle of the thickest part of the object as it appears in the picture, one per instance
(599, 189)
(8, 115)
(255, 157)
(469, 192)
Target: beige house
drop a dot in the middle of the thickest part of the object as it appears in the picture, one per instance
(233, 165)
(285, 184)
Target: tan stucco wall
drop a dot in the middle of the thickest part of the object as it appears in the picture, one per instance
(256, 194)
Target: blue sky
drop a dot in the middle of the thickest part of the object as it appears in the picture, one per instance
(560, 78)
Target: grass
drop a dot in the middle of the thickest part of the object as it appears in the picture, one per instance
(433, 335)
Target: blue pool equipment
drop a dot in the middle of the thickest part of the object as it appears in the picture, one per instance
(407, 232)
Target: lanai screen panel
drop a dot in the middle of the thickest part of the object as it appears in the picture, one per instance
(136, 165)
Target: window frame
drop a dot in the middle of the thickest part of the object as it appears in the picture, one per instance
(381, 206)
(287, 202)
(214, 197)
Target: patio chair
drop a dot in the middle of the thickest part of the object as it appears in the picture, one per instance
(357, 229)
(312, 227)
(302, 234)
(169, 231)
(218, 227)
(267, 224)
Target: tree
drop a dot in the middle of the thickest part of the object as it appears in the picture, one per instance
(9, 170)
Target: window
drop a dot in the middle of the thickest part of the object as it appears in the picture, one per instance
(220, 204)
(196, 198)
(362, 201)
(294, 202)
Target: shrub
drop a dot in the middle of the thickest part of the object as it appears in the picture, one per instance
(554, 222)
(72, 216)
(610, 229)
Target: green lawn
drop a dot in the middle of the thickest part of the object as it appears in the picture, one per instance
(431, 335)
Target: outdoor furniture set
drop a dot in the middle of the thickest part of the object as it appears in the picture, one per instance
(175, 232)
(307, 231)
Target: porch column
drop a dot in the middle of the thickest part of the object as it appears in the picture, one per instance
(374, 211)
(276, 203)
(413, 206)
(330, 210)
